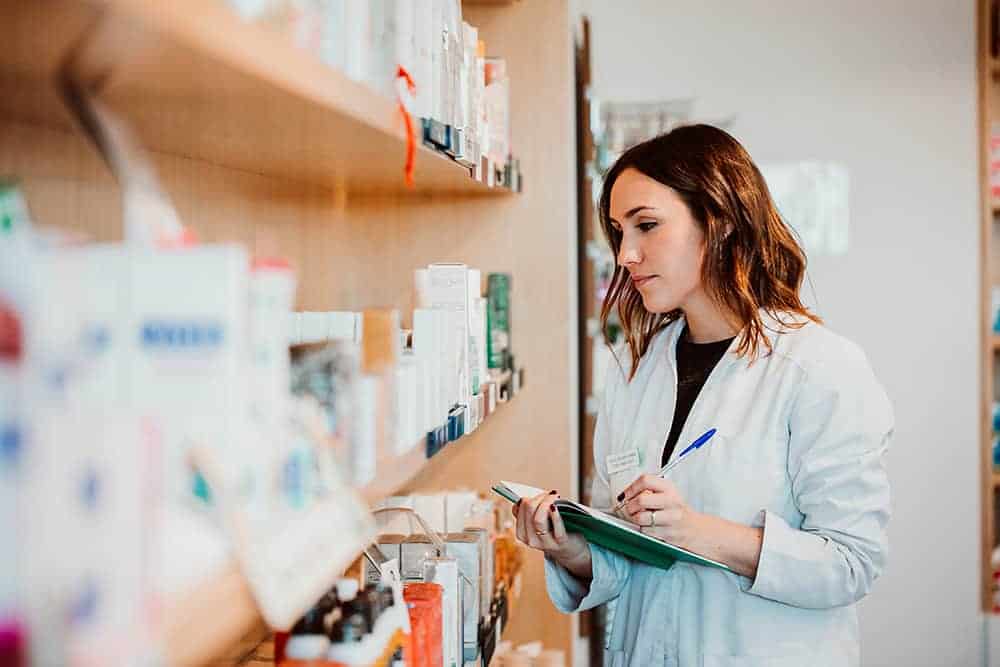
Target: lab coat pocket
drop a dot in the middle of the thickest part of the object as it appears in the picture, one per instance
(744, 475)
(619, 481)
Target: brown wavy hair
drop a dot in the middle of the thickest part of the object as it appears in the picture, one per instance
(752, 260)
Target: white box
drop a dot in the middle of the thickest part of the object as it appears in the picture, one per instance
(431, 508)
(449, 286)
(407, 429)
(429, 344)
(445, 572)
(272, 296)
(423, 68)
(364, 450)
(358, 39)
(458, 505)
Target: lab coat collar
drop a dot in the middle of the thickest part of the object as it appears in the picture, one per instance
(774, 326)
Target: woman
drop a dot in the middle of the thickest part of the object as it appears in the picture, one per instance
(791, 493)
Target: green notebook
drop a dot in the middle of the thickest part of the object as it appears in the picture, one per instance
(610, 532)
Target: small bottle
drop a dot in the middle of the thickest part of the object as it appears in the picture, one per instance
(370, 606)
(308, 639)
(346, 637)
(348, 630)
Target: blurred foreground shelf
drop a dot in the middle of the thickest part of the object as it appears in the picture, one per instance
(195, 80)
(203, 623)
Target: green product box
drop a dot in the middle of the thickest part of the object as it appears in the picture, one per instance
(498, 320)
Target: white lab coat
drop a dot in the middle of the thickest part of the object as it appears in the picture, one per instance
(800, 450)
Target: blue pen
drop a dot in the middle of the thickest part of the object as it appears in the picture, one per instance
(705, 437)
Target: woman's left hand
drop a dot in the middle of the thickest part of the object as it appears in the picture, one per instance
(656, 506)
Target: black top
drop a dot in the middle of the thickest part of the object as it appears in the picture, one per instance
(695, 362)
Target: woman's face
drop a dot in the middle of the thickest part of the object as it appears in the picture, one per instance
(662, 244)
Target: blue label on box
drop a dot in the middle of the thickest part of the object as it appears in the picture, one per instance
(181, 335)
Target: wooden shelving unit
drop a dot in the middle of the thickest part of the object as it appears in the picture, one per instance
(261, 144)
(173, 66)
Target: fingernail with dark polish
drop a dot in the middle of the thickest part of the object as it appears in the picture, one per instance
(552, 493)
(621, 496)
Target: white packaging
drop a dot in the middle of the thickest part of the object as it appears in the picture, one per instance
(91, 479)
(464, 120)
(392, 24)
(364, 451)
(333, 37)
(497, 102)
(423, 415)
(444, 571)
(423, 61)
(439, 68)
(449, 286)
(482, 122)
(407, 428)
(187, 356)
(444, 354)
(310, 327)
(454, 52)
(428, 331)
(458, 506)
(431, 508)
(475, 417)
(465, 547)
(358, 38)
(476, 351)
(272, 295)
(470, 98)
(422, 289)
(479, 333)
(486, 581)
(343, 325)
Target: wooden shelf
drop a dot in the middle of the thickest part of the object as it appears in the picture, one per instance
(995, 338)
(195, 80)
(216, 614)
(995, 479)
(994, 65)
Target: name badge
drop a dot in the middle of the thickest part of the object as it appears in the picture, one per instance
(621, 462)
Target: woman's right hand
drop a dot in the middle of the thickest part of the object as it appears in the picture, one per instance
(540, 527)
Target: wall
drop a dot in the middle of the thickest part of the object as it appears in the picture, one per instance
(887, 88)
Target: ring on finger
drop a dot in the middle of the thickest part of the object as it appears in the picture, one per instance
(541, 532)
(652, 518)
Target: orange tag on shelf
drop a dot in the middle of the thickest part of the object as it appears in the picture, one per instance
(411, 139)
